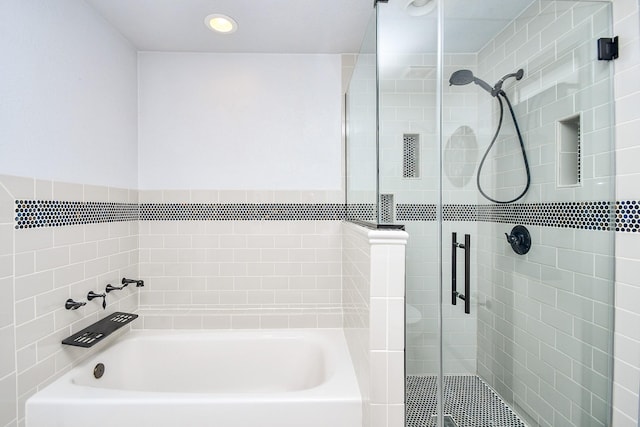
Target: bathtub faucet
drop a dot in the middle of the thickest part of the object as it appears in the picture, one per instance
(70, 304)
(91, 295)
(139, 283)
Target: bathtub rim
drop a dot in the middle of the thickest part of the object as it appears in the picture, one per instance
(341, 385)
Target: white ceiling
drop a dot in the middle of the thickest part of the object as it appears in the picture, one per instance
(264, 26)
(468, 25)
(301, 26)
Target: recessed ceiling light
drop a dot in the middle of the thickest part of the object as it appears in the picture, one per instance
(221, 23)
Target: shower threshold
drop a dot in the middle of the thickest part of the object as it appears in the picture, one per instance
(468, 402)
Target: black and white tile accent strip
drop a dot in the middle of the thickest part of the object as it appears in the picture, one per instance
(415, 212)
(53, 213)
(628, 216)
(241, 212)
(362, 212)
(624, 216)
(579, 215)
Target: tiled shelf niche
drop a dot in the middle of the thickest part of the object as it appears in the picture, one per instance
(569, 147)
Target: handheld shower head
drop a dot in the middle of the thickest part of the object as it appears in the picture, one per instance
(461, 77)
(464, 77)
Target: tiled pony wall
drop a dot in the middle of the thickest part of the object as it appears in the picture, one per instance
(373, 295)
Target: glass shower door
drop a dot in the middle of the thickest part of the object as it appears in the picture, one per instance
(535, 346)
(527, 157)
(545, 318)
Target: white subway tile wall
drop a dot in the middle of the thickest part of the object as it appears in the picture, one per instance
(553, 42)
(240, 274)
(198, 274)
(8, 366)
(268, 267)
(53, 264)
(543, 320)
(356, 300)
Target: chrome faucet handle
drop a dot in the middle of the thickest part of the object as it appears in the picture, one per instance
(70, 304)
(91, 295)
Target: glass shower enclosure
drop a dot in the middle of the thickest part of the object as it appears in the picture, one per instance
(485, 128)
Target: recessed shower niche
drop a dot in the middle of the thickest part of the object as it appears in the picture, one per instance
(411, 155)
(569, 145)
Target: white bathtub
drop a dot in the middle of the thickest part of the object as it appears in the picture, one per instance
(278, 378)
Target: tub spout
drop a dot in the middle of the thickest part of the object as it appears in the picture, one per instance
(139, 283)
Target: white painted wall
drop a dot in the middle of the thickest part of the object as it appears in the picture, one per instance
(67, 102)
(240, 121)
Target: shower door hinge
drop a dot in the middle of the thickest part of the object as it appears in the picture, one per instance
(607, 48)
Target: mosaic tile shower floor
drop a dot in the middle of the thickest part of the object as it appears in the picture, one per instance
(469, 401)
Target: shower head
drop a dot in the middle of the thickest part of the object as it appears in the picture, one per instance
(461, 77)
(464, 77)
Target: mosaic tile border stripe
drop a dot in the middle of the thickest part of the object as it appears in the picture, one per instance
(362, 212)
(39, 213)
(241, 212)
(579, 215)
(628, 216)
(53, 213)
(415, 212)
(623, 216)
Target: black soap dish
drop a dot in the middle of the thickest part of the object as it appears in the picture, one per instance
(93, 334)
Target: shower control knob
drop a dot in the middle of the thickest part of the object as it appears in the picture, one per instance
(519, 239)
